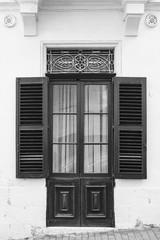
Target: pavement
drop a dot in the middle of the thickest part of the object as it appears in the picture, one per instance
(128, 234)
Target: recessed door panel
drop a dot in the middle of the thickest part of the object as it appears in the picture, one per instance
(63, 202)
(96, 202)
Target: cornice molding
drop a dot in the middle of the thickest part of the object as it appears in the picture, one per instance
(9, 6)
(70, 5)
(56, 5)
(153, 6)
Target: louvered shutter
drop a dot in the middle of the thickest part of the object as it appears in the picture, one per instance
(130, 127)
(32, 126)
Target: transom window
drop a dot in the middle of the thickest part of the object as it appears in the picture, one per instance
(78, 61)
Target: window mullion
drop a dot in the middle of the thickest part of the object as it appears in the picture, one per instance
(80, 126)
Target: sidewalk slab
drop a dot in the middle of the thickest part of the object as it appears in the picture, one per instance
(127, 234)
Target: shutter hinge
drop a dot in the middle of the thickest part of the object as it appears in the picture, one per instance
(47, 183)
(112, 215)
(48, 222)
(113, 182)
(113, 219)
(18, 148)
(47, 175)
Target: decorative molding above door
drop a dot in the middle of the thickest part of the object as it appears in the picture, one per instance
(81, 56)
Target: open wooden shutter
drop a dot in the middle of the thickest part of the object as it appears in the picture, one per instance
(32, 126)
(130, 127)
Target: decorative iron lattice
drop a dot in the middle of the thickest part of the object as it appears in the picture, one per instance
(87, 61)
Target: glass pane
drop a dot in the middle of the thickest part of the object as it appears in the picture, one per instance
(64, 158)
(96, 128)
(64, 128)
(96, 158)
(96, 98)
(64, 98)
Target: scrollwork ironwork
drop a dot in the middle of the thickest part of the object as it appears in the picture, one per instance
(86, 61)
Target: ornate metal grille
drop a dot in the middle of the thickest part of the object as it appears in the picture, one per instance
(87, 61)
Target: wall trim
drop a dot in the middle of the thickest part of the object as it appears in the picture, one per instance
(63, 5)
(117, 45)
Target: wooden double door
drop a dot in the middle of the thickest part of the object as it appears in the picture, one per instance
(80, 184)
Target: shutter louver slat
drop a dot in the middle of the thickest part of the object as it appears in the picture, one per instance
(130, 127)
(130, 152)
(31, 104)
(130, 103)
(32, 127)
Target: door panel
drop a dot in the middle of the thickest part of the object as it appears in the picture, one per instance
(75, 202)
(63, 202)
(96, 202)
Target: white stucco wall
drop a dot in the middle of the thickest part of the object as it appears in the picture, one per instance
(23, 201)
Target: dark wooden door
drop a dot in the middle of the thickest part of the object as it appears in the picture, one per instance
(80, 185)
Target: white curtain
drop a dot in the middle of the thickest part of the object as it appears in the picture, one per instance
(96, 129)
(64, 128)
